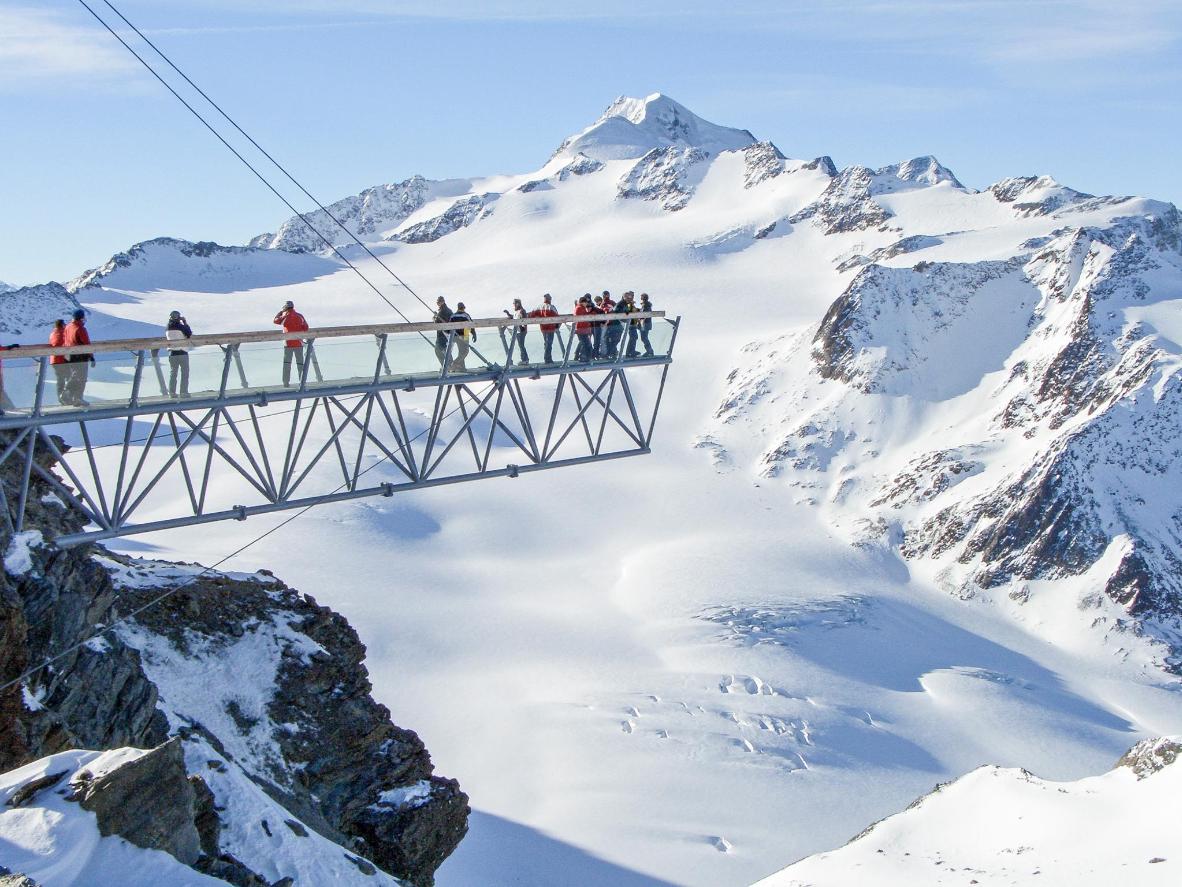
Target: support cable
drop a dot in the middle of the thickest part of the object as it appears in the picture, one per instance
(267, 154)
(168, 592)
(245, 162)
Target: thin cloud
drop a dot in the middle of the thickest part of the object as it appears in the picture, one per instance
(36, 45)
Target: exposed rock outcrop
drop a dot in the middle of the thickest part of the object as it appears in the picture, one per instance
(459, 215)
(294, 715)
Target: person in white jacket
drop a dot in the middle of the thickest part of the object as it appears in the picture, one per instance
(178, 330)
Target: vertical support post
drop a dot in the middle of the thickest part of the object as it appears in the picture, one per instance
(134, 400)
(228, 352)
(39, 392)
(28, 469)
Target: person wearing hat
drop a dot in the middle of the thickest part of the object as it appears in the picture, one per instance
(646, 325)
(292, 322)
(178, 358)
(442, 315)
(79, 364)
(583, 329)
(461, 338)
(546, 309)
(614, 331)
(61, 367)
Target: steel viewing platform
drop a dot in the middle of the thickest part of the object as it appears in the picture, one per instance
(403, 394)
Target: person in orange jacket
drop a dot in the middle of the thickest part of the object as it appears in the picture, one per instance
(583, 329)
(546, 309)
(79, 364)
(61, 368)
(292, 322)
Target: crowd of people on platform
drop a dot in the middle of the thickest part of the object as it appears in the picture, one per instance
(599, 338)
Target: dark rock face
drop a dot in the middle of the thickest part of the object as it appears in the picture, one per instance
(1149, 756)
(337, 741)
(664, 175)
(148, 802)
(846, 204)
(15, 879)
(762, 161)
(459, 215)
(332, 756)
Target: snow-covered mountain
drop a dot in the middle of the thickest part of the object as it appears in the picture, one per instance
(631, 128)
(997, 826)
(912, 508)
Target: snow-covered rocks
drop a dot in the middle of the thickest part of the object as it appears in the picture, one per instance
(1038, 397)
(263, 691)
(999, 826)
(459, 215)
(849, 204)
(664, 175)
(762, 161)
(368, 215)
(632, 127)
(33, 309)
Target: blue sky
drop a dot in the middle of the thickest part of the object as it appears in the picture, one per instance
(96, 156)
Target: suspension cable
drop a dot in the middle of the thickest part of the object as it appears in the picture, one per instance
(266, 154)
(245, 162)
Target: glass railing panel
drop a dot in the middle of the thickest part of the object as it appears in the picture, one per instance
(262, 366)
(19, 383)
(106, 383)
(164, 374)
(343, 361)
(660, 338)
(411, 355)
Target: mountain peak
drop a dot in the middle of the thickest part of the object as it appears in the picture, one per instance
(631, 127)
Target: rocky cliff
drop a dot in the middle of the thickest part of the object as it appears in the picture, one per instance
(262, 692)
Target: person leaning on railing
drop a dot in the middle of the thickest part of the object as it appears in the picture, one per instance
(597, 331)
(546, 309)
(292, 322)
(583, 329)
(518, 313)
(79, 364)
(61, 367)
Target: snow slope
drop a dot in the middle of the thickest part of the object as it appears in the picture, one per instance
(676, 664)
(996, 826)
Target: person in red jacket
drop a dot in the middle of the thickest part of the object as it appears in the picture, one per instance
(583, 329)
(546, 309)
(292, 322)
(61, 368)
(79, 364)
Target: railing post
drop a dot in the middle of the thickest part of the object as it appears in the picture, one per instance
(39, 393)
(451, 336)
(228, 353)
(382, 363)
(134, 400)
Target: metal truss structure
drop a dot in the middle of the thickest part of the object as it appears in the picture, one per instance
(158, 463)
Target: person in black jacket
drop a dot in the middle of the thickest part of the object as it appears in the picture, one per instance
(463, 338)
(646, 325)
(442, 315)
(178, 358)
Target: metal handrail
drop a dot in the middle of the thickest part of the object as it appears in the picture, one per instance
(327, 332)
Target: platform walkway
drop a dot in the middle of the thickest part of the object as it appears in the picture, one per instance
(367, 394)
